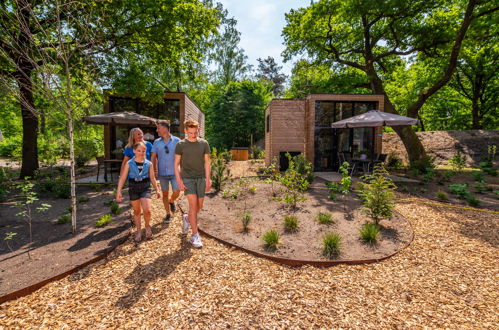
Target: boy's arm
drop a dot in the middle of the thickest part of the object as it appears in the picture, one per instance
(123, 177)
(176, 169)
(207, 171)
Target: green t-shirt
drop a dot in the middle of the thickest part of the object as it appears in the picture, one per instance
(192, 161)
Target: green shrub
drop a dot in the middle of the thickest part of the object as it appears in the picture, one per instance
(83, 199)
(246, 219)
(423, 165)
(428, 176)
(346, 180)
(394, 161)
(480, 186)
(472, 201)
(109, 202)
(220, 173)
(294, 182)
(291, 224)
(271, 240)
(458, 161)
(324, 218)
(303, 167)
(86, 149)
(478, 176)
(11, 147)
(460, 190)
(369, 232)
(377, 194)
(332, 245)
(103, 220)
(255, 152)
(442, 196)
(62, 189)
(64, 219)
(115, 208)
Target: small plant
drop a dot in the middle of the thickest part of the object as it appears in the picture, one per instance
(271, 240)
(394, 161)
(324, 218)
(332, 245)
(496, 192)
(478, 176)
(95, 186)
(441, 195)
(109, 202)
(252, 190)
(234, 194)
(246, 219)
(460, 190)
(255, 152)
(295, 183)
(369, 232)
(404, 188)
(69, 210)
(64, 219)
(428, 176)
(220, 173)
(491, 153)
(83, 199)
(480, 186)
(346, 180)
(377, 193)
(423, 165)
(103, 220)
(423, 190)
(115, 208)
(27, 198)
(472, 201)
(8, 237)
(458, 161)
(291, 224)
(226, 193)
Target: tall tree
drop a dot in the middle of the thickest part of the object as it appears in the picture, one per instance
(237, 113)
(373, 36)
(269, 70)
(170, 32)
(228, 58)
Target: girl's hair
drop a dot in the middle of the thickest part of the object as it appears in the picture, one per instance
(138, 144)
(131, 141)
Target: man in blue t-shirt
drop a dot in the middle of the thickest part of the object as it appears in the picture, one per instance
(163, 159)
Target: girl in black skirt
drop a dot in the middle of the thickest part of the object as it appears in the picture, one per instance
(140, 174)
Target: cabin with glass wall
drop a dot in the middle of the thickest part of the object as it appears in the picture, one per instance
(176, 107)
(303, 126)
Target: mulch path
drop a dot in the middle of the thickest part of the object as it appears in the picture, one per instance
(447, 277)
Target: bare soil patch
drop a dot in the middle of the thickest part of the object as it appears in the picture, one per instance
(222, 218)
(55, 249)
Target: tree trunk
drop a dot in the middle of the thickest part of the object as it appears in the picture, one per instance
(30, 127)
(475, 124)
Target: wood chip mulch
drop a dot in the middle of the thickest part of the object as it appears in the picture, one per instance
(448, 277)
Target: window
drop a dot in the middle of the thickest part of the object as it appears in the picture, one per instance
(268, 123)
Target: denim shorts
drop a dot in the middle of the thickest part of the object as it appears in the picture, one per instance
(139, 190)
(196, 186)
(165, 182)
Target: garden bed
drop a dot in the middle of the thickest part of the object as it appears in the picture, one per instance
(55, 249)
(222, 216)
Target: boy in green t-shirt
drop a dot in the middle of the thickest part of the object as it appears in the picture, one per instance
(192, 171)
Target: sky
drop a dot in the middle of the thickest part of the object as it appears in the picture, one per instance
(260, 23)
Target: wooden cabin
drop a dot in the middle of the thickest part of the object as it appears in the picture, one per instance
(176, 107)
(303, 126)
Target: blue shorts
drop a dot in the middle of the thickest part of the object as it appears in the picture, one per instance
(165, 182)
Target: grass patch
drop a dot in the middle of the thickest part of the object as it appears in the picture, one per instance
(324, 218)
(441, 195)
(332, 245)
(103, 220)
(291, 224)
(271, 240)
(83, 199)
(64, 219)
(369, 233)
(246, 219)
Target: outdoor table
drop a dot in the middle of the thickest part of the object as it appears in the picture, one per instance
(110, 163)
(365, 163)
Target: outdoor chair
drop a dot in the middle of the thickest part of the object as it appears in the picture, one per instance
(100, 162)
(380, 158)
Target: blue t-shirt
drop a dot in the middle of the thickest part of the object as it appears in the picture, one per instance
(129, 151)
(165, 151)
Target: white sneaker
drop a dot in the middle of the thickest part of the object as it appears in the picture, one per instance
(196, 241)
(185, 224)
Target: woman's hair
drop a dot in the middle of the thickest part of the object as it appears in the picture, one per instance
(138, 144)
(189, 123)
(131, 141)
